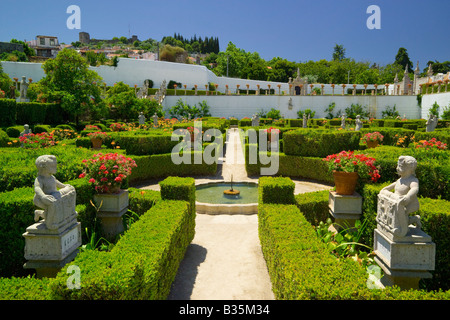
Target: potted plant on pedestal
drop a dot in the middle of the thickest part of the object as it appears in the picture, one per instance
(97, 139)
(372, 139)
(107, 172)
(347, 167)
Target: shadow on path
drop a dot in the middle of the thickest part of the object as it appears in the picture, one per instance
(187, 273)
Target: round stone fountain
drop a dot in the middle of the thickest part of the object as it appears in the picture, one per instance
(223, 197)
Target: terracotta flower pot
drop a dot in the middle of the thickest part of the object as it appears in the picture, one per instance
(372, 144)
(96, 143)
(345, 182)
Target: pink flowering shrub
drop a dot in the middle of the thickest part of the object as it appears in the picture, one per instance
(38, 140)
(107, 171)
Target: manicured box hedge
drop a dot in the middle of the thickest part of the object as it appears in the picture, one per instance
(161, 166)
(144, 262)
(293, 166)
(144, 144)
(300, 264)
(433, 168)
(276, 190)
(8, 112)
(295, 122)
(319, 143)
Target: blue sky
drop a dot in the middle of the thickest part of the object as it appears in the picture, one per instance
(297, 30)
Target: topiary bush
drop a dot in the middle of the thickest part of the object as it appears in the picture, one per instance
(276, 190)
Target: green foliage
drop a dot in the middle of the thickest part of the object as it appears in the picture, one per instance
(338, 52)
(390, 113)
(144, 144)
(26, 288)
(295, 122)
(446, 113)
(432, 168)
(69, 80)
(8, 112)
(291, 247)
(434, 110)
(402, 59)
(142, 265)
(4, 139)
(274, 114)
(314, 206)
(176, 188)
(319, 143)
(182, 110)
(276, 190)
(308, 113)
(356, 109)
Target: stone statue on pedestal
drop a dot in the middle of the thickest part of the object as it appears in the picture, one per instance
(403, 250)
(53, 241)
(23, 89)
(359, 123)
(57, 200)
(141, 119)
(404, 199)
(431, 123)
(343, 121)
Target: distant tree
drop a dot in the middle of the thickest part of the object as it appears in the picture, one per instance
(26, 49)
(438, 67)
(68, 80)
(338, 52)
(402, 59)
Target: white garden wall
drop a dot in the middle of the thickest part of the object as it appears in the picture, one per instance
(246, 106)
(442, 99)
(134, 72)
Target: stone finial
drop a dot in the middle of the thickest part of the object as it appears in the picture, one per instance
(430, 70)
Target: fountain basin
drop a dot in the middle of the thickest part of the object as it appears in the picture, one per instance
(212, 200)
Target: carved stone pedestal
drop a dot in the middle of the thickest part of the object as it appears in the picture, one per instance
(404, 260)
(111, 209)
(345, 209)
(48, 250)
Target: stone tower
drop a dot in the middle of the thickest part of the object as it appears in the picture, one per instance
(84, 37)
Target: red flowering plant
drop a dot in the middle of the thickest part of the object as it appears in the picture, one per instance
(91, 127)
(348, 161)
(118, 127)
(272, 129)
(98, 135)
(373, 136)
(431, 144)
(193, 130)
(107, 171)
(37, 140)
